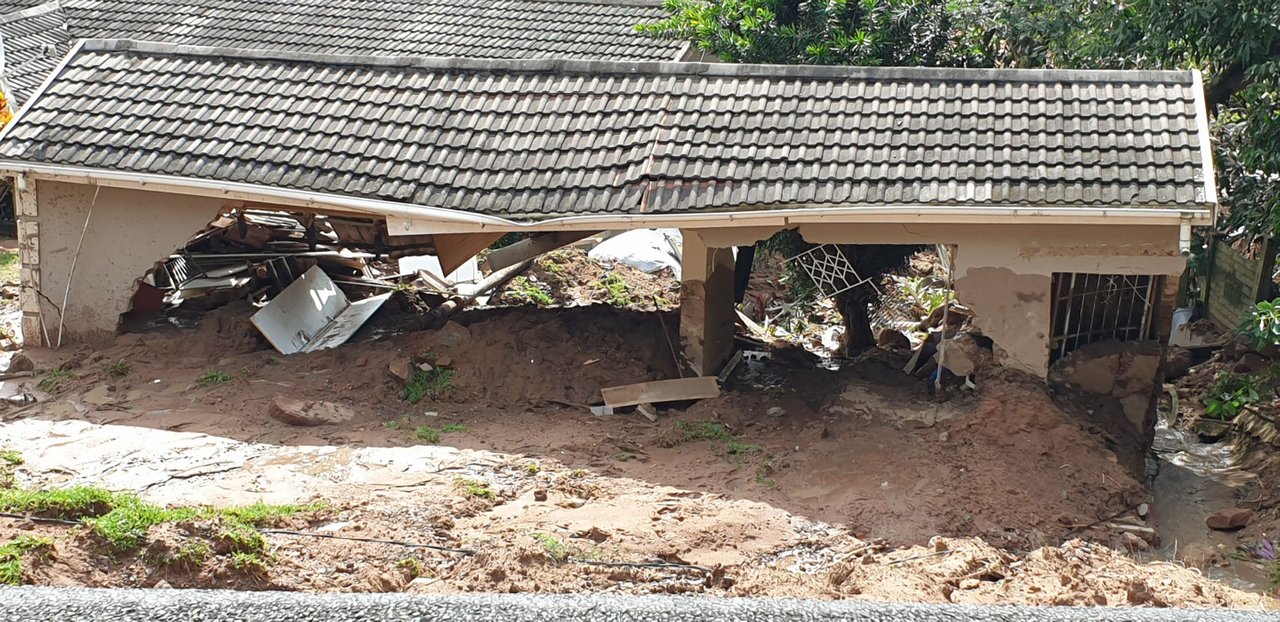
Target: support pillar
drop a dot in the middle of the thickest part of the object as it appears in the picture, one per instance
(24, 205)
(706, 305)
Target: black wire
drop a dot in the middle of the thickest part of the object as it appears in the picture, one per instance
(655, 564)
(285, 532)
(40, 519)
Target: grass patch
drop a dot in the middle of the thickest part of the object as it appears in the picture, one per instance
(524, 290)
(190, 555)
(119, 369)
(694, 431)
(10, 267)
(624, 456)
(411, 566)
(554, 548)
(453, 427)
(427, 434)
(214, 377)
(764, 475)
(740, 449)
(11, 556)
(474, 488)
(616, 289)
(11, 457)
(432, 384)
(122, 520)
(249, 562)
(531, 468)
(53, 379)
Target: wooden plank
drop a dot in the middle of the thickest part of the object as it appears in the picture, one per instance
(658, 391)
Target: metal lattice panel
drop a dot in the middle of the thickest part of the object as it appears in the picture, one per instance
(830, 270)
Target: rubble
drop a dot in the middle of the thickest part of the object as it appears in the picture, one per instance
(1230, 519)
(294, 411)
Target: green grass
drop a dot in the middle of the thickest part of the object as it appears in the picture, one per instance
(11, 457)
(474, 488)
(119, 369)
(453, 427)
(428, 434)
(624, 456)
(122, 520)
(192, 554)
(764, 474)
(214, 377)
(694, 431)
(554, 548)
(11, 556)
(249, 562)
(740, 449)
(432, 384)
(532, 468)
(411, 566)
(10, 267)
(617, 290)
(53, 379)
(524, 290)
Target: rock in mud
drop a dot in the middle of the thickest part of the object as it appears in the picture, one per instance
(308, 413)
(1177, 362)
(400, 368)
(21, 362)
(1230, 519)
(893, 340)
(452, 335)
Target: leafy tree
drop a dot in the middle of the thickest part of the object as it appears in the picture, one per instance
(833, 32)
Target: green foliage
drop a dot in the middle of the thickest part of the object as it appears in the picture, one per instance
(411, 566)
(453, 427)
(532, 468)
(249, 562)
(624, 456)
(616, 289)
(764, 474)
(507, 240)
(923, 293)
(474, 488)
(213, 377)
(11, 556)
(740, 449)
(524, 290)
(11, 457)
(433, 384)
(1233, 392)
(53, 379)
(555, 549)
(119, 369)
(10, 267)
(1263, 324)
(427, 434)
(832, 32)
(694, 431)
(122, 520)
(191, 554)
(788, 243)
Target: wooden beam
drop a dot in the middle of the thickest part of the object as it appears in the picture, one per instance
(658, 391)
(454, 249)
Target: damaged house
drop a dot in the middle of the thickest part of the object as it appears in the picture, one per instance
(1068, 197)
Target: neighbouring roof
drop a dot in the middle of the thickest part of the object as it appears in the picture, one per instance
(582, 29)
(536, 139)
(32, 42)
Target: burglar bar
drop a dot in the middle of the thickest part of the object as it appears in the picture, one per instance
(1088, 308)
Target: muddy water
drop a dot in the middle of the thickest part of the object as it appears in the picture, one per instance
(1194, 481)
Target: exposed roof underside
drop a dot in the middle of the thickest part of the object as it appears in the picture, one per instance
(537, 139)
(581, 29)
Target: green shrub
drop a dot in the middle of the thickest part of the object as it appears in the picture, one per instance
(1263, 324)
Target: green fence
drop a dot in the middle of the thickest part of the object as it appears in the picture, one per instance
(1235, 282)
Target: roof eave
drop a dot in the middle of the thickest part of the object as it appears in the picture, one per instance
(412, 219)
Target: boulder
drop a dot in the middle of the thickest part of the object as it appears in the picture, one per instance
(308, 413)
(1177, 362)
(1230, 519)
(21, 362)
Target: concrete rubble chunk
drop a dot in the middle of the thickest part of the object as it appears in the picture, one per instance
(452, 334)
(308, 413)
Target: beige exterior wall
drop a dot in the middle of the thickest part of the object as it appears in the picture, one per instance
(130, 230)
(1004, 272)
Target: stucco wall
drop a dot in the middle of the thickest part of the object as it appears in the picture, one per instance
(1004, 272)
(130, 230)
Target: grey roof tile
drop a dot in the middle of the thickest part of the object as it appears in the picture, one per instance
(558, 137)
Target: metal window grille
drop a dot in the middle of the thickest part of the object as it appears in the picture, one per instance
(1088, 308)
(830, 270)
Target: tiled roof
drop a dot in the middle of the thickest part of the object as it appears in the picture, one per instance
(586, 29)
(532, 139)
(34, 40)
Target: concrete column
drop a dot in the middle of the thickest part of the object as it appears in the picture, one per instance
(24, 204)
(706, 305)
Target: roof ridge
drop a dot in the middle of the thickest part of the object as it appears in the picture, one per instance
(598, 67)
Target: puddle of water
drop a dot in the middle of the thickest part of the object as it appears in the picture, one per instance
(1194, 481)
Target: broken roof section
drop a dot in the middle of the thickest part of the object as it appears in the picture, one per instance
(587, 29)
(535, 140)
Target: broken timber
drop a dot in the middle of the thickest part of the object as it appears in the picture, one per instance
(658, 391)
